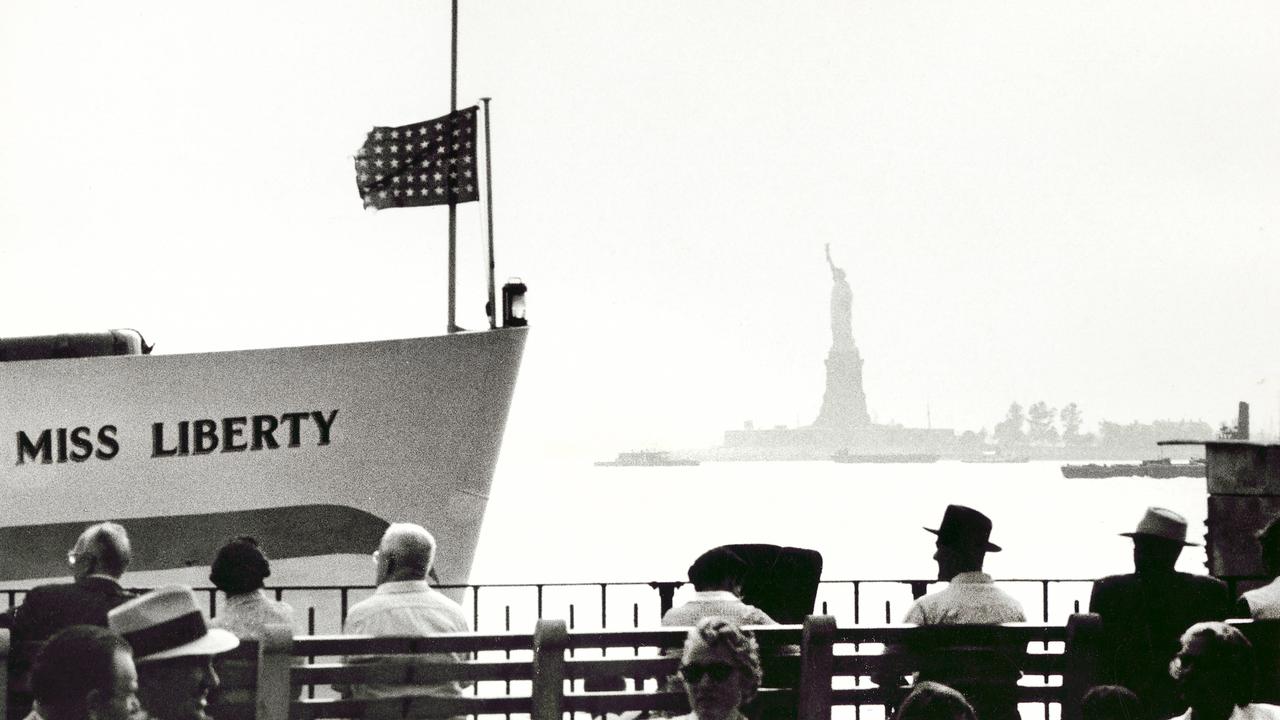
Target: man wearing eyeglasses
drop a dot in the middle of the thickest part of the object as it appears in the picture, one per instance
(97, 560)
(405, 605)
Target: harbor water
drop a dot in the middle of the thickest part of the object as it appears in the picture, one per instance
(569, 521)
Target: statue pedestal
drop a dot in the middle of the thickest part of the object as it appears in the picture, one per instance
(844, 406)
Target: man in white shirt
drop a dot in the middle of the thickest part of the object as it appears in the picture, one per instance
(405, 605)
(717, 578)
(970, 598)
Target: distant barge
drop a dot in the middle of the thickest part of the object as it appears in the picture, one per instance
(646, 458)
(1162, 468)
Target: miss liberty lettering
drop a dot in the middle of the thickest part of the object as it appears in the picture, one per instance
(237, 434)
(187, 437)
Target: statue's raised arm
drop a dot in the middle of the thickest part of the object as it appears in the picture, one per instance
(841, 307)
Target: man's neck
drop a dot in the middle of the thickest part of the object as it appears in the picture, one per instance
(405, 577)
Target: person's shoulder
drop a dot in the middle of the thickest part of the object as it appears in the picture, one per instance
(1112, 583)
(1206, 582)
(53, 592)
(447, 604)
(363, 608)
(282, 609)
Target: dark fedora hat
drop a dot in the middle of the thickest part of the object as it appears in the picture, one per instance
(965, 527)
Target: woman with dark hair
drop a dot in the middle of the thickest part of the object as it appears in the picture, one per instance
(720, 668)
(1215, 672)
(238, 571)
(934, 701)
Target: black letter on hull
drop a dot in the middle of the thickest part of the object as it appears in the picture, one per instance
(263, 427)
(232, 428)
(157, 441)
(323, 425)
(42, 448)
(83, 447)
(204, 434)
(295, 432)
(107, 439)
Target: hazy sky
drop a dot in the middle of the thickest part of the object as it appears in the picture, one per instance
(1062, 201)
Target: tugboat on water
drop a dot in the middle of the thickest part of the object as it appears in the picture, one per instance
(1161, 468)
(646, 458)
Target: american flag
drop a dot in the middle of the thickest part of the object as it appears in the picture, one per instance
(427, 163)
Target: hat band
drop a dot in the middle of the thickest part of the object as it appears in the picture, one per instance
(167, 635)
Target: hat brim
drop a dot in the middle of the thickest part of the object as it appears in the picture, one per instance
(215, 641)
(989, 546)
(1183, 543)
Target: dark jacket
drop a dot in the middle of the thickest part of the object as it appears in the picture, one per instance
(50, 608)
(1142, 619)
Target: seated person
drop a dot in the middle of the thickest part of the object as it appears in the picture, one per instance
(239, 570)
(720, 667)
(1215, 673)
(717, 577)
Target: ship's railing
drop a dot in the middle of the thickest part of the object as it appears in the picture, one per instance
(319, 609)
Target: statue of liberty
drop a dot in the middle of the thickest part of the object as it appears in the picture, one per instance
(841, 308)
(844, 407)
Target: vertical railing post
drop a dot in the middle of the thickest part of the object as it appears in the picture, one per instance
(5, 651)
(550, 640)
(275, 657)
(666, 595)
(1083, 661)
(816, 645)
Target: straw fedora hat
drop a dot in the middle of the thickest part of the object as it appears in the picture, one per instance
(965, 527)
(167, 623)
(1162, 523)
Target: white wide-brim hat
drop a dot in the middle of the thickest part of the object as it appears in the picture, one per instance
(167, 623)
(1165, 524)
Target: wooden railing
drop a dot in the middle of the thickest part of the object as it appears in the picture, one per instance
(554, 671)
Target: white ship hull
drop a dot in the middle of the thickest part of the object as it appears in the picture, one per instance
(313, 450)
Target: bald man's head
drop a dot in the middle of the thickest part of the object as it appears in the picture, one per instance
(407, 552)
(102, 549)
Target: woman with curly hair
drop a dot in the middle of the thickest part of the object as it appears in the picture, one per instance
(720, 668)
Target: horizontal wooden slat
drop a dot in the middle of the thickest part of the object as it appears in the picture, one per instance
(617, 702)
(879, 696)
(321, 645)
(409, 706)
(408, 670)
(238, 673)
(908, 662)
(654, 667)
(766, 635)
(951, 634)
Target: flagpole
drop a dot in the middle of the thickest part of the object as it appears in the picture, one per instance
(488, 201)
(453, 207)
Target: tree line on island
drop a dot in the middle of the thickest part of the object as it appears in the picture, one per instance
(1041, 426)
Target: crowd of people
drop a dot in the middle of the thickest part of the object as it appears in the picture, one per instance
(93, 649)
